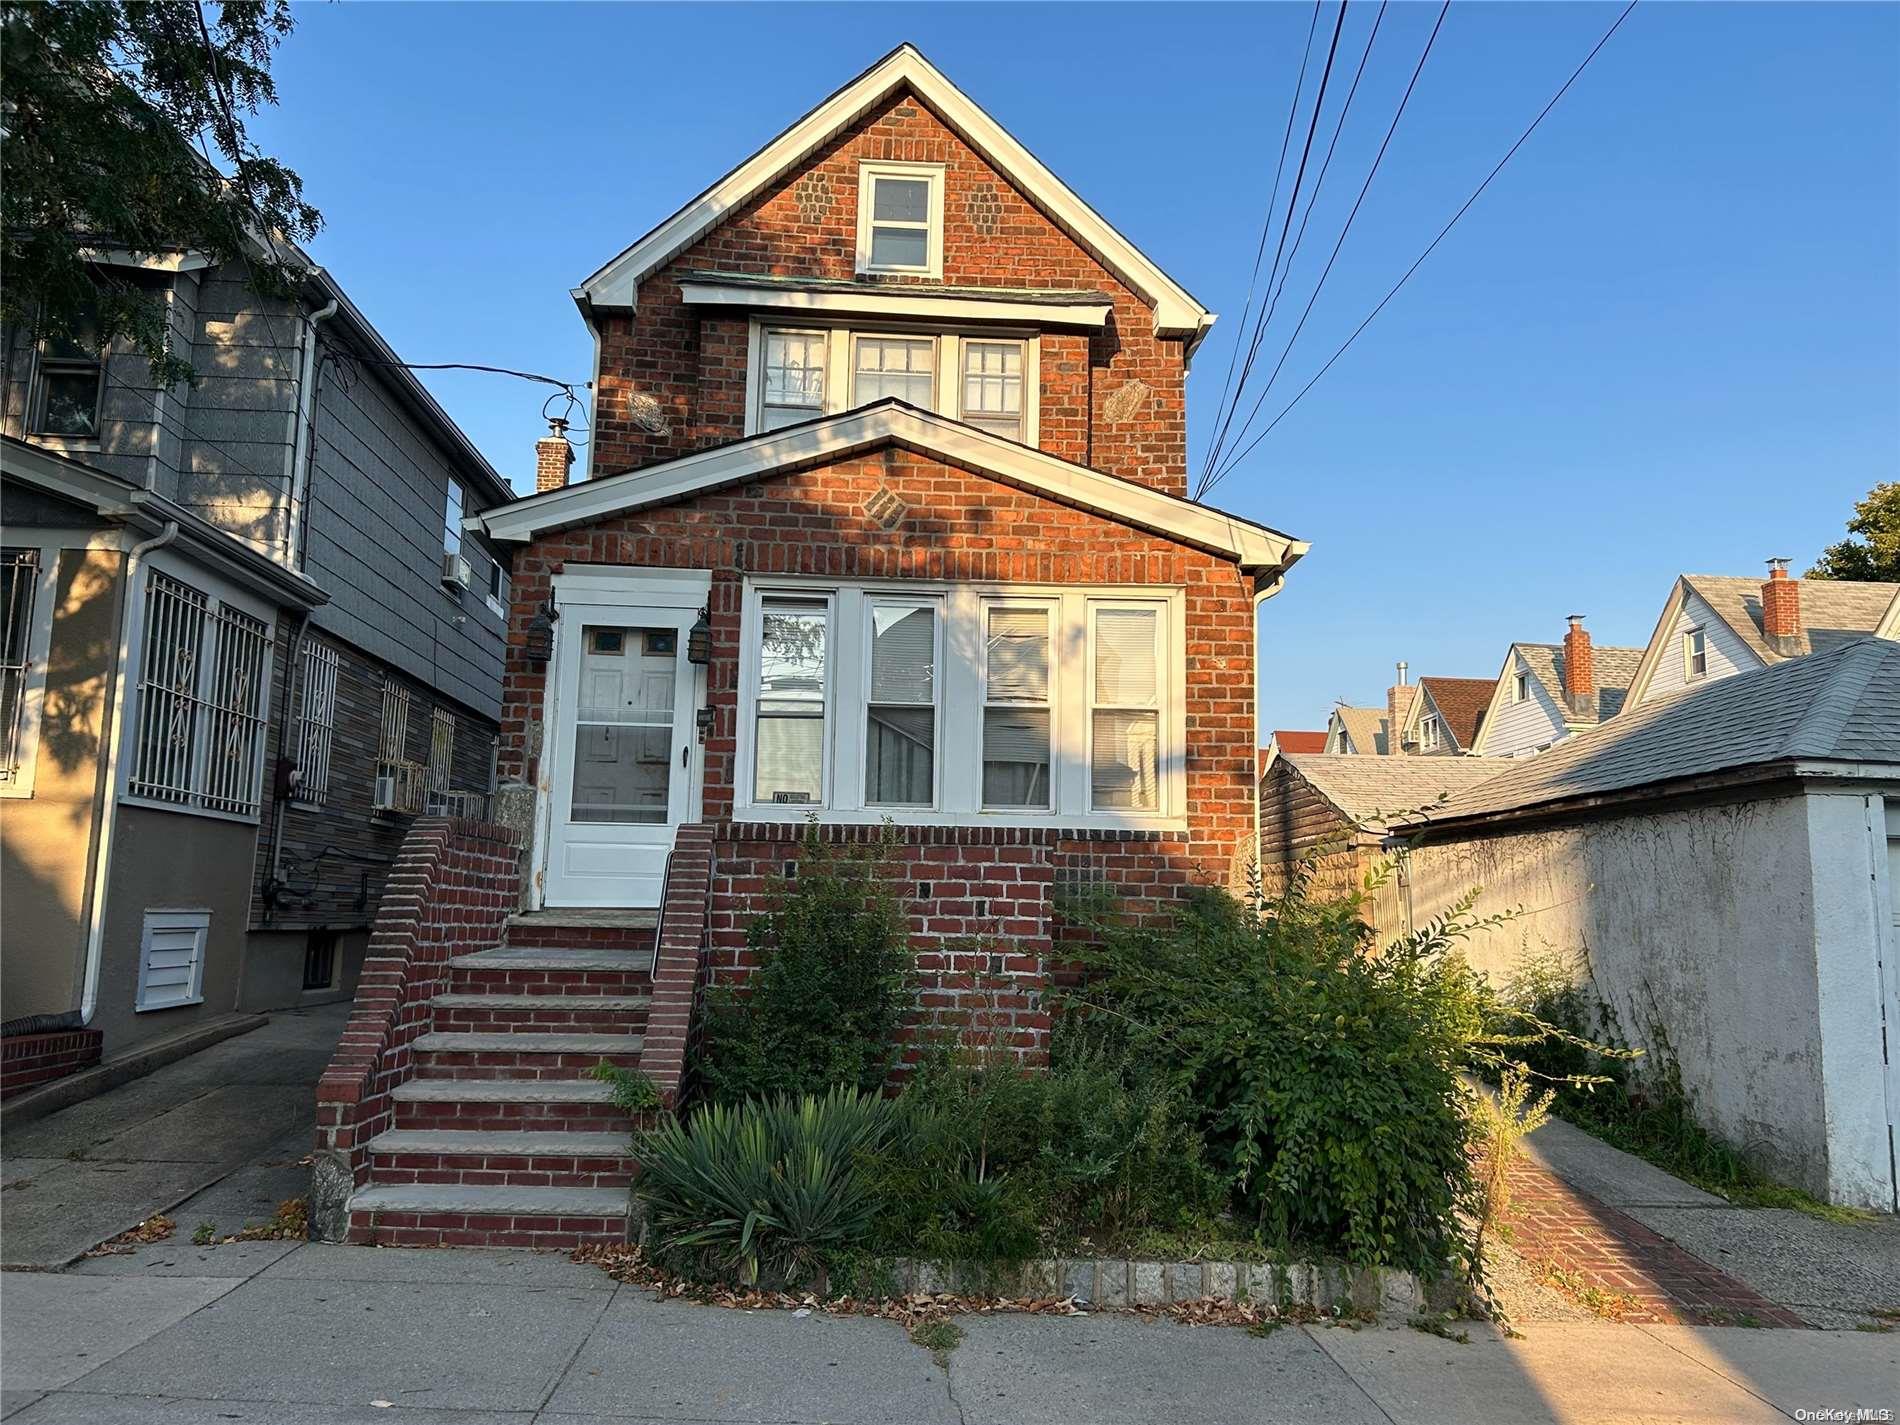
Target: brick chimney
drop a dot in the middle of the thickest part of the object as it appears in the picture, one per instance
(552, 457)
(1580, 671)
(1398, 705)
(1781, 610)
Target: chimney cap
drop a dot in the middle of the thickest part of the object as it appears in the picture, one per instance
(557, 429)
(1778, 567)
(1403, 665)
(1576, 620)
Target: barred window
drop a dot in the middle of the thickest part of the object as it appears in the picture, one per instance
(19, 582)
(316, 720)
(395, 731)
(441, 749)
(200, 730)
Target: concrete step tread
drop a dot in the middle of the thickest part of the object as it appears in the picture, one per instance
(492, 1201)
(531, 957)
(604, 918)
(527, 1041)
(528, 1143)
(503, 1091)
(512, 1001)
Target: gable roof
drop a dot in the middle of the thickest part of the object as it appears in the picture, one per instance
(1366, 728)
(1615, 670)
(1375, 793)
(1460, 702)
(1831, 610)
(1840, 705)
(1176, 312)
(1289, 740)
(1253, 547)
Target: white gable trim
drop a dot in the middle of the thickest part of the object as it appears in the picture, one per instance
(914, 303)
(1176, 313)
(1251, 546)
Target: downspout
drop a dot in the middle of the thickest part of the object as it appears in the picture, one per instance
(305, 439)
(1260, 596)
(113, 743)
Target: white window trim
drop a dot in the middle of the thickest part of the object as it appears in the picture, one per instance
(217, 592)
(1164, 659)
(960, 754)
(930, 173)
(1428, 731)
(197, 920)
(1521, 687)
(841, 360)
(1051, 703)
(39, 641)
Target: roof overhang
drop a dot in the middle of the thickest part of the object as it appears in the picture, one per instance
(1254, 548)
(917, 303)
(1176, 313)
(149, 512)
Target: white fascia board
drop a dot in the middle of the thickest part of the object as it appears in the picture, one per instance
(919, 303)
(1251, 546)
(175, 261)
(1176, 313)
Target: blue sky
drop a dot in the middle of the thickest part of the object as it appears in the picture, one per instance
(1666, 339)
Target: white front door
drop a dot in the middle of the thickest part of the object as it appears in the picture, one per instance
(622, 750)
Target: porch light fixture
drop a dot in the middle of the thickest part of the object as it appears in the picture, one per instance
(540, 646)
(699, 641)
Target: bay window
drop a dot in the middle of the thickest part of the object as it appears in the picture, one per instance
(962, 704)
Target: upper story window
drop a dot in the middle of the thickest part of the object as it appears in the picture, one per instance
(1695, 653)
(986, 380)
(69, 387)
(900, 218)
(452, 519)
(1521, 688)
(1428, 732)
(962, 703)
(19, 589)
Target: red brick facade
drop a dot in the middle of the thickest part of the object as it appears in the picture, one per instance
(29, 1060)
(806, 225)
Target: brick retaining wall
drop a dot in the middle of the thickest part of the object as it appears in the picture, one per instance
(29, 1060)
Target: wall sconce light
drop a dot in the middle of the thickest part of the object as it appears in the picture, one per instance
(699, 641)
(541, 633)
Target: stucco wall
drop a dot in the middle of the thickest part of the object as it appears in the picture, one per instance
(1722, 928)
(45, 838)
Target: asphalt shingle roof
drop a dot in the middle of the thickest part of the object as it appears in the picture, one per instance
(1376, 792)
(1461, 702)
(1840, 704)
(1831, 610)
(1366, 728)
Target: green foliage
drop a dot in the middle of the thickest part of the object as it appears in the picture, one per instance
(1498, 1126)
(104, 100)
(1875, 556)
(632, 1089)
(1325, 1077)
(831, 983)
(762, 1191)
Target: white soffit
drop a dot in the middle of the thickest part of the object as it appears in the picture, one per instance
(1251, 546)
(1176, 313)
(917, 302)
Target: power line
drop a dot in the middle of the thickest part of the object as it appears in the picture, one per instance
(1607, 34)
(1293, 198)
(1210, 480)
(1273, 202)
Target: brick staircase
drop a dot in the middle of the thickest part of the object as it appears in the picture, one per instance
(497, 1136)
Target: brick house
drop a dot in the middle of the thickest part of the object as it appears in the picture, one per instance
(884, 521)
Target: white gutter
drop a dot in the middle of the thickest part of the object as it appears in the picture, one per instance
(302, 442)
(130, 611)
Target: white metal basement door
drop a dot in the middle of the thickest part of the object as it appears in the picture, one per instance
(623, 745)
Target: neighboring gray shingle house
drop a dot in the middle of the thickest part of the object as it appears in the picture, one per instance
(310, 447)
(1356, 732)
(1726, 863)
(1546, 691)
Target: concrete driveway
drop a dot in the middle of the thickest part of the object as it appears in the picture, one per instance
(280, 1333)
(216, 1137)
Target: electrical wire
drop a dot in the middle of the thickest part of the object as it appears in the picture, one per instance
(1476, 193)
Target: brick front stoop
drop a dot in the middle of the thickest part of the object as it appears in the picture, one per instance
(459, 1110)
(1597, 1246)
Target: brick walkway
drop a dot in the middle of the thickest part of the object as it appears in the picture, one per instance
(1597, 1246)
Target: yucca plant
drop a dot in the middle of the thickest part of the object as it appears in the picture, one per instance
(763, 1190)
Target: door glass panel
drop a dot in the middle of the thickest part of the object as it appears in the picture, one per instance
(623, 731)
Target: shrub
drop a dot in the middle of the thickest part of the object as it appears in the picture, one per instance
(830, 985)
(764, 1190)
(1325, 1078)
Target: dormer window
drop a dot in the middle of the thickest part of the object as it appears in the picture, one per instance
(1428, 732)
(900, 218)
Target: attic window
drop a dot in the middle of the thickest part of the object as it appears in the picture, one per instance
(900, 218)
(1428, 732)
(1695, 653)
(1521, 688)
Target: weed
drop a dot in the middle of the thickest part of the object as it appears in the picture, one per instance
(1610, 1305)
(632, 1090)
(1437, 1326)
(290, 1223)
(204, 1234)
(939, 1336)
(1722, 1316)
(1264, 1327)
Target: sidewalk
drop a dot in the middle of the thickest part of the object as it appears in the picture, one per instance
(216, 1137)
(277, 1333)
